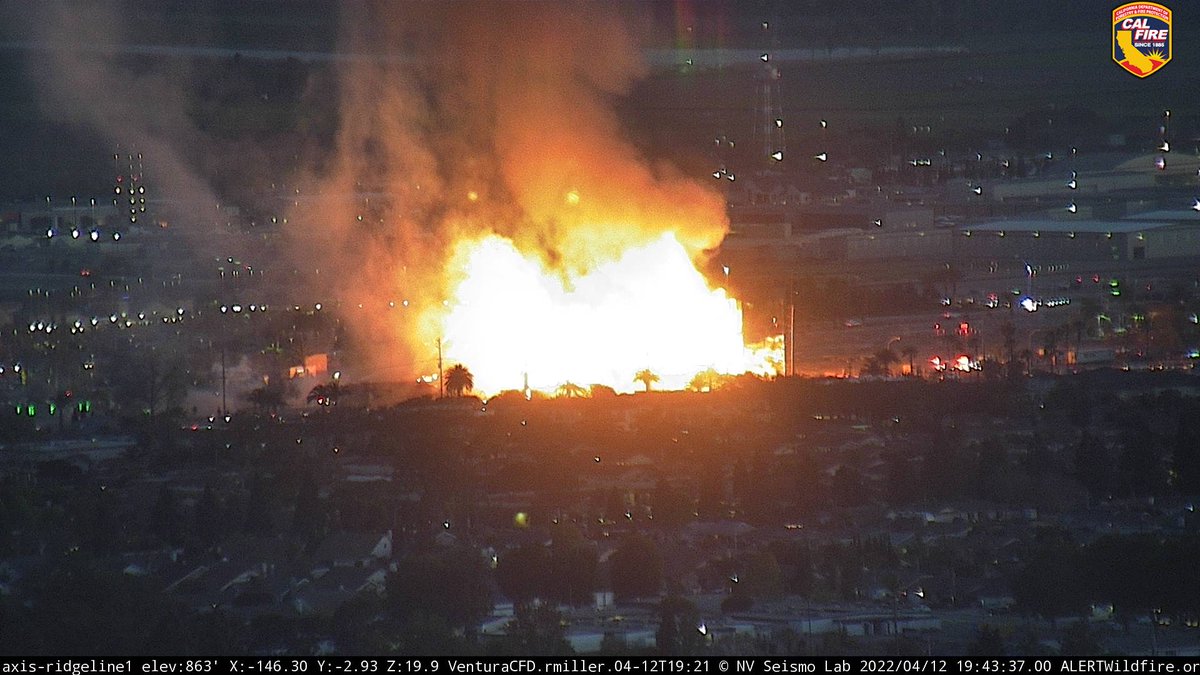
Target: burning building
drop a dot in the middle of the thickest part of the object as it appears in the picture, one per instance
(523, 236)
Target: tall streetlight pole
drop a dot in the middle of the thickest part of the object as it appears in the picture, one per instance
(224, 402)
(887, 348)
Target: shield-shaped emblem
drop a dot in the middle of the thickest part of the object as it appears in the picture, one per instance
(1142, 37)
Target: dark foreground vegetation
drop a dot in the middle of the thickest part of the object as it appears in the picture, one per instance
(539, 504)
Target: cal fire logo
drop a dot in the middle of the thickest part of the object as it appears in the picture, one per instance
(1142, 37)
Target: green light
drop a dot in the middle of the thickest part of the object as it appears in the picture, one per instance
(31, 410)
(53, 409)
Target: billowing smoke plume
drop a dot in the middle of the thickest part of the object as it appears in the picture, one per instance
(454, 120)
(484, 117)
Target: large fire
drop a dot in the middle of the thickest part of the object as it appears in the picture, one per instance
(495, 188)
(516, 324)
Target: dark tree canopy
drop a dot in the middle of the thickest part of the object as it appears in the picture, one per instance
(459, 380)
(636, 568)
(451, 584)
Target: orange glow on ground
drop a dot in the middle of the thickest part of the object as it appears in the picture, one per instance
(507, 317)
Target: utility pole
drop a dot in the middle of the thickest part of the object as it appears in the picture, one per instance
(441, 386)
(792, 333)
(224, 405)
(789, 342)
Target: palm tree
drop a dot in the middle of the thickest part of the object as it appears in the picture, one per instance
(885, 358)
(1008, 332)
(1025, 356)
(1050, 345)
(571, 390)
(910, 353)
(872, 368)
(459, 380)
(1079, 326)
(646, 377)
(267, 398)
(707, 380)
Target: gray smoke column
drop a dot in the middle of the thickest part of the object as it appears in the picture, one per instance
(482, 117)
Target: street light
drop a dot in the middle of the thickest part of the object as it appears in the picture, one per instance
(887, 349)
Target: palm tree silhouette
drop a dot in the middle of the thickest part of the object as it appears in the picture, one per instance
(910, 353)
(1025, 356)
(872, 368)
(885, 358)
(266, 398)
(1050, 347)
(459, 380)
(646, 377)
(571, 390)
(1008, 331)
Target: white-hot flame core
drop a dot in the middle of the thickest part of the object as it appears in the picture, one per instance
(509, 320)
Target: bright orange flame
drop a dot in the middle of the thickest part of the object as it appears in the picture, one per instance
(511, 320)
